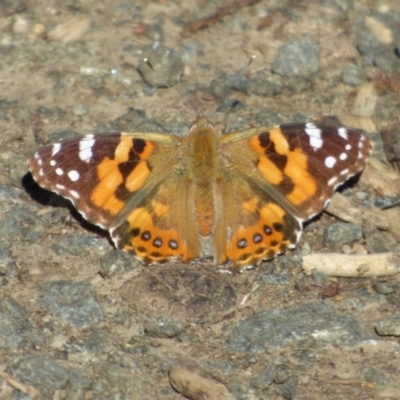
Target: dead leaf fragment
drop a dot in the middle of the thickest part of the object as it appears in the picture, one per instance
(393, 218)
(23, 387)
(343, 208)
(194, 382)
(71, 30)
(381, 178)
(379, 30)
(365, 101)
(355, 121)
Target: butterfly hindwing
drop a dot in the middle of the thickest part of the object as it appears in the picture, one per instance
(161, 227)
(252, 225)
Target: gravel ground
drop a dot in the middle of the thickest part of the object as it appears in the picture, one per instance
(81, 320)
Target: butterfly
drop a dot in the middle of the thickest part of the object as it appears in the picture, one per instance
(240, 198)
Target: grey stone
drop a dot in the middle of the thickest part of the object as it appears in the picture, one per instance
(79, 110)
(341, 232)
(78, 379)
(282, 374)
(300, 58)
(394, 298)
(5, 259)
(115, 382)
(12, 7)
(177, 128)
(353, 75)
(372, 374)
(166, 66)
(10, 109)
(22, 222)
(341, 5)
(59, 136)
(375, 54)
(383, 288)
(71, 301)
(239, 124)
(116, 262)
(79, 246)
(319, 276)
(268, 118)
(8, 193)
(154, 32)
(296, 85)
(288, 388)
(121, 316)
(15, 328)
(282, 278)
(265, 379)
(261, 84)
(229, 105)
(17, 395)
(221, 87)
(9, 225)
(386, 202)
(315, 324)
(163, 327)
(41, 371)
(389, 326)
(92, 343)
(131, 121)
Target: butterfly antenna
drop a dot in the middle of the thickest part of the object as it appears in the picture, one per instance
(236, 102)
(184, 101)
(252, 58)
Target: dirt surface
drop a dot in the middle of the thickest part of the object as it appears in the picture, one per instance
(81, 320)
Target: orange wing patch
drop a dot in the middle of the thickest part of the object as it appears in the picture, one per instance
(150, 242)
(284, 167)
(273, 233)
(126, 172)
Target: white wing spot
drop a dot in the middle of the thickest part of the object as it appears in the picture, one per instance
(41, 173)
(360, 155)
(56, 149)
(36, 155)
(315, 135)
(343, 133)
(343, 156)
(74, 193)
(327, 203)
(332, 181)
(39, 162)
(59, 171)
(345, 172)
(59, 186)
(52, 163)
(85, 148)
(73, 175)
(330, 161)
(348, 147)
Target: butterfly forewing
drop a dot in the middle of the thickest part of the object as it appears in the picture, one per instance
(98, 173)
(300, 165)
(333, 156)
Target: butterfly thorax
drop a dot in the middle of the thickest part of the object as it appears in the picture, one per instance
(202, 148)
